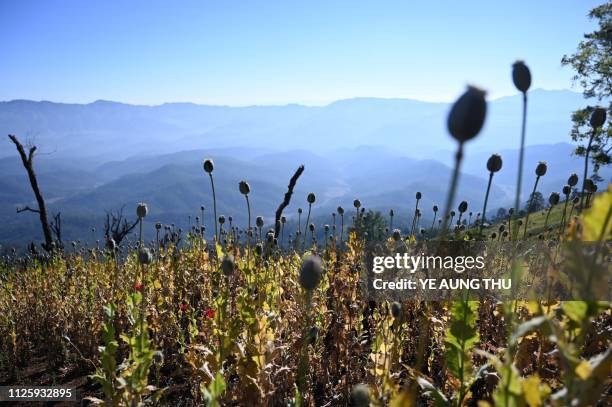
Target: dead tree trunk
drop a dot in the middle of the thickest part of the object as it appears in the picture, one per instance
(283, 205)
(42, 210)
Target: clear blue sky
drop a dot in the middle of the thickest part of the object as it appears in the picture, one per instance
(263, 52)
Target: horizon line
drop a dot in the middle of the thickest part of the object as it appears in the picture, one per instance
(326, 104)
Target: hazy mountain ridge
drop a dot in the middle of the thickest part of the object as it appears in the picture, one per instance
(106, 155)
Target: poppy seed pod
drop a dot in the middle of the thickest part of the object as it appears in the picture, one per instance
(259, 249)
(452, 213)
(270, 236)
(541, 169)
(467, 115)
(141, 210)
(259, 221)
(435, 208)
(222, 219)
(418, 195)
(145, 256)
(396, 309)
(158, 226)
(311, 198)
(360, 395)
(357, 203)
(566, 190)
(572, 180)
(397, 235)
(494, 163)
(311, 272)
(313, 332)
(208, 165)
(521, 76)
(228, 264)
(511, 211)
(244, 187)
(300, 211)
(589, 185)
(598, 117)
(553, 199)
(283, 219)
(391, 213)
(463, 206)
(311, 227)
(340, 210)
(111, 245)
(575, 200)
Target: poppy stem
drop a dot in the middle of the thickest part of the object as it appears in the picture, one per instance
(453, 186)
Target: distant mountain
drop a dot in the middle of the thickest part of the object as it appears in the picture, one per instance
(106, 130)
(106, 155)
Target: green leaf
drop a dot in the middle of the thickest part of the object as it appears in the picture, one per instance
(460, 337)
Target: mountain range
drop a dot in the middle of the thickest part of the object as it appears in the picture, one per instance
(105, 155)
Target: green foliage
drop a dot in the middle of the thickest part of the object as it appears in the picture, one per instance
(593, 67)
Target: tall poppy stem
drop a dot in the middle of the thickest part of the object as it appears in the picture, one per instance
(453, 186)
(519, 181)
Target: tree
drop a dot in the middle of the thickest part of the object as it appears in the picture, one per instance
(535, 203)
(501, 214)
(47, 227)
(593, 72)
(372, 223)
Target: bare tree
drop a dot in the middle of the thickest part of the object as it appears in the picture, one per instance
(287, 199)
(26, 158)
(116, 226)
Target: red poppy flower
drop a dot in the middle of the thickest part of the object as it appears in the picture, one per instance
(210, 313)
(137, 286)
(184, 307)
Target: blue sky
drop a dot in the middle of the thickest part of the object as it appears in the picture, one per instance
(275, 52)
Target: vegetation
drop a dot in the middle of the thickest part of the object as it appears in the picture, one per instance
(241, 316)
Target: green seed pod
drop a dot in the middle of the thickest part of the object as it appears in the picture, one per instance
(521, 76)
(566, 190)
(340, 210)
(598, 117)
(141, 210)
(311, 272)
(576, 200)
(553, 199)
(572, 180)
(222, 219)
(158, 226)
(244, 187)
(396, 309)
(145, 256)
(541, 169)
(467, 115)
(326, 228)
(311, 198)
(511, 211)
(435, 208)
(463, 206)
(259, 249)
(360, 396)
(300, 211)
(397, 235)
(452, 213)
(228, 265)
(418, 196)
(494, 163)
(259, 221)
(501, 228)
(357, 203)
(311, 227)
(208, 165)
